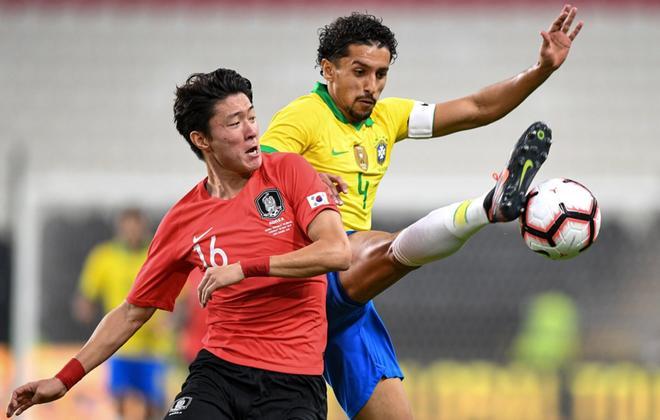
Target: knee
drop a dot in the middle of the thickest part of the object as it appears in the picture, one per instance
(378, 246)
(401, 264)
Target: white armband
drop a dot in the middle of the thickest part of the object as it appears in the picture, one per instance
(420, 121)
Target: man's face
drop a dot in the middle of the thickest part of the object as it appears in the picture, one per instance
(356, 81)
(234, 143)
(132, 230)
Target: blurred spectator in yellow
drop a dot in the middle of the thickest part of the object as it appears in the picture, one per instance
(192, 329)
(137, 372)
(549, 337)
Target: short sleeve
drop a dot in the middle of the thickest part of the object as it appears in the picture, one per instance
(164, 273)
(307, 193)
(396, 111)
(286, 133)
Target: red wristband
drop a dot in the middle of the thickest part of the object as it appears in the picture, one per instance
(71, 373)
(256, 267)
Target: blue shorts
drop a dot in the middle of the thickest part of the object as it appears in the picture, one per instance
(359, 352)
(145, 376)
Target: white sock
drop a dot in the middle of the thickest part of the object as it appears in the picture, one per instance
(440, 233)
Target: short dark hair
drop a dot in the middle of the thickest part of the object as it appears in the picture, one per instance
(196, 99)
(358, 28)
(131, 213)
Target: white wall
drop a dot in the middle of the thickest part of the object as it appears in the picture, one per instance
(92, 91)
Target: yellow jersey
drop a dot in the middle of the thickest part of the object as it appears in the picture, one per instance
(313, 126)
(107, 276)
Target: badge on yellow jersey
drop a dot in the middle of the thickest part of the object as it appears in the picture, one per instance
(361, 157)
(381, 151)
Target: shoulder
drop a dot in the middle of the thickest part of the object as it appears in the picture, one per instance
(311, 100)
(304, 108)
(392, 114)
(294, 128)
(181, 209)
(284, 167)
(283, 162)
(394, 105)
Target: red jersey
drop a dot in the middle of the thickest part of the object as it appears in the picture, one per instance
(271, 323)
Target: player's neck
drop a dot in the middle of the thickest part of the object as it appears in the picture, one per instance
(225, 184)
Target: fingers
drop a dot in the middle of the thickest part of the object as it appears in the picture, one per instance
(24, 407)
(11, 407)
(557, 24)
(206, 293)
(569, 20)
(21, 400)
(563, 24)
(206, 287)
(202, 286)
(576, 31)
(336, 185)
(342, 186)
(13, 403)
(565, 20)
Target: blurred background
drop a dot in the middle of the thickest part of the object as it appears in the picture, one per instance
(495, 331)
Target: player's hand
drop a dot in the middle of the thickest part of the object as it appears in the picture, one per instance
(32, 393)
(336, 184)
(558, 39)
(216, 278)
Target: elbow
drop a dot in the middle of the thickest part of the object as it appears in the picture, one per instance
(483, 113)
(136, 316)
(481, 116)
(340, 257)
(343, 263)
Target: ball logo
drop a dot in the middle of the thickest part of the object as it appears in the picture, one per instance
(270, 204)
(180, 405)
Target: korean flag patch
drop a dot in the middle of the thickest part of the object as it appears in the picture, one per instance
(318, 199)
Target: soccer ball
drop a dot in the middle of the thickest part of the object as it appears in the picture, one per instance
(561, 219)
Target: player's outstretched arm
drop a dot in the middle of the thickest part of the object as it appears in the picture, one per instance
(494, 102)
(111, 333)
(329, 251)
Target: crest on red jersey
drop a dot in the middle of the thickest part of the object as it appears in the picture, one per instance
(270, 204)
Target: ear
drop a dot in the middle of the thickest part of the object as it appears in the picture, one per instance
(199, 140)
(328, 69)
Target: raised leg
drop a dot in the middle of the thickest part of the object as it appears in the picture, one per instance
(373, 266)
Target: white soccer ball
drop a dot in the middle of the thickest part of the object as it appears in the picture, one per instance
(561, 219)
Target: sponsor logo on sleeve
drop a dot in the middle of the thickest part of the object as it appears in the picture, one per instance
(318, 199)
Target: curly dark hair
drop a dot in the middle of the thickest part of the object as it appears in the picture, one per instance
(195, 101)
(358, 28)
